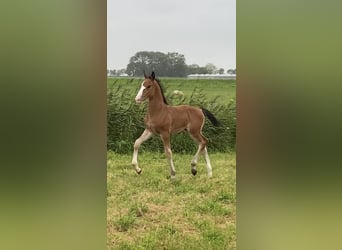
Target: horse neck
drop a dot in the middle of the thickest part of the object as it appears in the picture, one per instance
(156, 103)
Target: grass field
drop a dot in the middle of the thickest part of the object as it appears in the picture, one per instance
(225, 90)
(150, 211)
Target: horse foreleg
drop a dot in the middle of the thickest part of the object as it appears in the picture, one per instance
(144, 137)
(166, 141)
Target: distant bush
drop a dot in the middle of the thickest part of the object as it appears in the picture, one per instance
(125, 122)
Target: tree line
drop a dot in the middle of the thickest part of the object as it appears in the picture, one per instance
(171, 64)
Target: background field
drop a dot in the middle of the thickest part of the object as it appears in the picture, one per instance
(225, 90)
(150, 211)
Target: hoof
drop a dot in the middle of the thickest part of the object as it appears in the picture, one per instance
(139, 172)
(194, 171)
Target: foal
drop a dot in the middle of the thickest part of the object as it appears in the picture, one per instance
(165, 120)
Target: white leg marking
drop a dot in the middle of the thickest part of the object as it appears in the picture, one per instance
(144, 137)
(195, 159)
(207, 160)
(170, 160)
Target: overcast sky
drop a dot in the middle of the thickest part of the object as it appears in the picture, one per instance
(202, 30)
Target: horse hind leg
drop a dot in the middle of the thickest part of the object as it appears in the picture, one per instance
(195, 158)
(144, 137)
(202, 149)
(202, 141)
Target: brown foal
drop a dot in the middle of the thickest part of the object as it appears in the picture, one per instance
(165, 120)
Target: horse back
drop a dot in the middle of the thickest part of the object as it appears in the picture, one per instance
(185, 117)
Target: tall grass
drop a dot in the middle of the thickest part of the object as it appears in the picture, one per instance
(125, 121)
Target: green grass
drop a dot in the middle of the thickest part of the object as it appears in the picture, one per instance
(151, 211)
(223, 90)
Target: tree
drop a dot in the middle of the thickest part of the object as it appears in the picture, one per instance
(221, 71)
(112, 72)
(177, 66)
(137, 63)
(231, 71)
(211, 68)
(119, 72)
(203, 70)
(170, 64)
(193, 69)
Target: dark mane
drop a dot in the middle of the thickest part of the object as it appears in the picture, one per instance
(161, 90)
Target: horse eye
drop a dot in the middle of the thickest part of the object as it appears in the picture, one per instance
(149, 86)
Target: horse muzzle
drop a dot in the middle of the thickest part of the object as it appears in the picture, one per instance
(139, 100)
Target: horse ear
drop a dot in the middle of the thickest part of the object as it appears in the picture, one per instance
(145, 74)
(153, 75)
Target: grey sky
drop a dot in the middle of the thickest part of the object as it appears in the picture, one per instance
(202, 30)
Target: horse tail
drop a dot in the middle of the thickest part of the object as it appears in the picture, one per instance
(211, 117)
